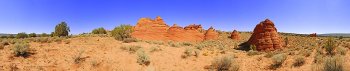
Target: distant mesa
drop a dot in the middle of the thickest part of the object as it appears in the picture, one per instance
(265, 36)
(157, 29)
(235, 35)
(313, 35)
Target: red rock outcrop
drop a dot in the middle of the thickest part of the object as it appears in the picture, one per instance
(177, 33)
(211, 34)
(265, 36)
(313, 35)
(148, 29)
(235, 35)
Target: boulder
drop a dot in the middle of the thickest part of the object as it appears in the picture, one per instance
(265, 37)
(313, 35)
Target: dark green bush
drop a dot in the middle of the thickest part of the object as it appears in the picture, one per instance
(100, 30)
(61, 29)
(44, 35)
(21, 35)
(11, 36)
(122, 32)
(32, 35)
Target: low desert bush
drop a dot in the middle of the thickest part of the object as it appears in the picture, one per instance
(44, 35)
(334, 63)
(129, 40)
(299, 61)
(78, 58)
(155, 48)
(143, 58)
(187, 53)
(225, 64)
(197, 53)
(130, 48)
(330, 46)
(341, 50)
(278, 60)
(186, 44)
(32, 35)
(122, 32)
(100, 30)
(21, 35)
(21, 49)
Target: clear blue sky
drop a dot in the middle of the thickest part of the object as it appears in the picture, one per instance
(295, 16)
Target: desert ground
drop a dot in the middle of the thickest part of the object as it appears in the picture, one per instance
(90, 52)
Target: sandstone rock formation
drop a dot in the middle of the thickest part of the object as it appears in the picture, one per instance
(211, 34)
(235, 35)
(148, 29)
(313, 35)
(265, 36)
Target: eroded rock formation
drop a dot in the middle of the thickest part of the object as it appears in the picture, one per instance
(235, 35)
(211, 34)
(265, 36)
(313, 35)
(148, 29)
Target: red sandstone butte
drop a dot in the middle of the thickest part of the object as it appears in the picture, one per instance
(265, 37)
(235, 35)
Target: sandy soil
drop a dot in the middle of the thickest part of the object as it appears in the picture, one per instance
(105, 54)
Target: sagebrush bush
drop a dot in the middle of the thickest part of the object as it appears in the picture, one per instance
(225, 64)
(143, 58)
(278, 60)
(122, 32)
(130, 48)
(333, 64)
(330, 46)
(2, 46)
(21, 49)
(22, 35)
(78, 58)
(32, 35)
(100, 30)
(299, 61)
(155, 48)
(197, 53)
(11, 36)
(61, 29)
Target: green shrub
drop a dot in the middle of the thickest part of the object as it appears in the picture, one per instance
(278, 60)
(61, 29)
(21, 35)
(187, 53)
(299, 61)
(11, 36)
(78, 58)
(100, 30)
(253, 47)
(122, 32)
(225, 64)
(32, 35)
(155, 48)
(333, 64)
(130, 48)
(143, 58)
(21, 49)
(3, 36)
(330, 46)
(44, 35)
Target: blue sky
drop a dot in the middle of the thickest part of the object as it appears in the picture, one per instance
(295, 16)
